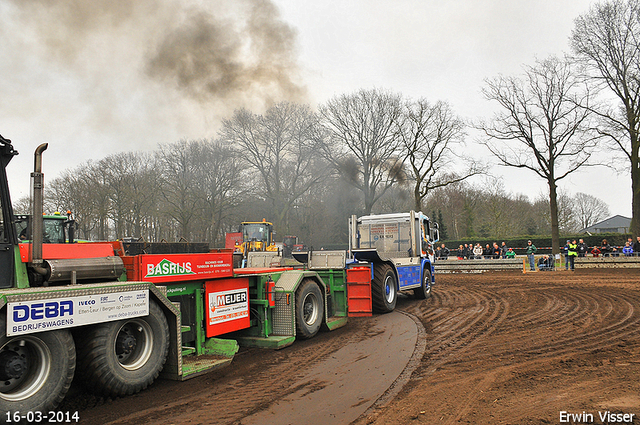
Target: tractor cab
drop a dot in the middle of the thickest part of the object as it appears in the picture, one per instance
(57, 228)
(256, 236)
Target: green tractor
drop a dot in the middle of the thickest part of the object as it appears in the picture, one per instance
(57, 228)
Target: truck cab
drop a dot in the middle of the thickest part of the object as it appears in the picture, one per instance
(401, 248)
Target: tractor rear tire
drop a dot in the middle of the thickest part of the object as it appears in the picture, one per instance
(384, 290)
(424, 291)
(37, 370)
(309, 309)
(124, 357)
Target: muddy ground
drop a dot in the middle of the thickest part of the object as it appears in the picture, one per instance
(501, 348)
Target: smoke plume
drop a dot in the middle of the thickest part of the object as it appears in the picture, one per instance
(138, 67)
(209, 57)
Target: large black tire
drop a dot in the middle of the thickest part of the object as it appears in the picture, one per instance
(124, 357)
(384, 288)
(36, 370)
(309, 309)
(424, 291)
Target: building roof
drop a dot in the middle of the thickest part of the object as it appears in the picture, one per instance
(615, 224)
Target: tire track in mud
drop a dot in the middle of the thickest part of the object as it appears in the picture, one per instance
(459, 320)
(584, 320)
(405, 376)
(541, 341)
(611, 319)
(580, 319)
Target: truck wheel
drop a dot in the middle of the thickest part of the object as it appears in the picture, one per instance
(383, 288)
(309, 309)
(124, 357)
(36, 370)
(424, 291)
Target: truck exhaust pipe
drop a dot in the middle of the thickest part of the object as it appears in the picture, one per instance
(37, 223)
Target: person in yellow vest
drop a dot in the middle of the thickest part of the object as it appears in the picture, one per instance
(572, 254)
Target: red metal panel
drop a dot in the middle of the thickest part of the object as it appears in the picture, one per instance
(227, 302)
(359, 291)
(132, 267)
(66, 251)
(231, 239)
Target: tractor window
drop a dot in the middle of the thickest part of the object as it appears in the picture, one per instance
(54, 231)
(21, 228)
(257, 232)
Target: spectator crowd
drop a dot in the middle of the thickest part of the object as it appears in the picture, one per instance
(471, 252)
(495, 251)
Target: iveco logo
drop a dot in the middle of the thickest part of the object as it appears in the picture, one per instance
(88, 302)
(48, 310)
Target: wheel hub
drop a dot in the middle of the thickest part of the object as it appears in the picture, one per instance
(25, 365)
(133, 344)
(125, 343)
(12, 366)
(389, 289)
(309, 309)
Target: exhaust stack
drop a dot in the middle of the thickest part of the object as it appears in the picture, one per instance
(37, 224)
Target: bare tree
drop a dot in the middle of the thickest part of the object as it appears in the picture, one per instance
(179, 165)
(496, 214)
(22, 205)
(567, 219)
(607, 39)
(363, 141)
(543, 126)
(145, 193)
(589, 210)
(461, 206)
(280, 147)
(118, 178)
(79, 191)
(430, 135)
(220, 175)
(93, 180)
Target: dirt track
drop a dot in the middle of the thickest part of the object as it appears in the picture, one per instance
(501, 347)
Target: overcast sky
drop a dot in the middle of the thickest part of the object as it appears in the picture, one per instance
(100, 77)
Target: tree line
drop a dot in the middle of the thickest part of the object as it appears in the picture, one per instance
(196, 190)
(378, 151)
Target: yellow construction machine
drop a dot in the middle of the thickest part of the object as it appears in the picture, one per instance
(256, 236)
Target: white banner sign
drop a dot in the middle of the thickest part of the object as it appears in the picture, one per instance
(27, 317)
(230, 305)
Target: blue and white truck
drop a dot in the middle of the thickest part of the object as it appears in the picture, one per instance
(401, 248)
